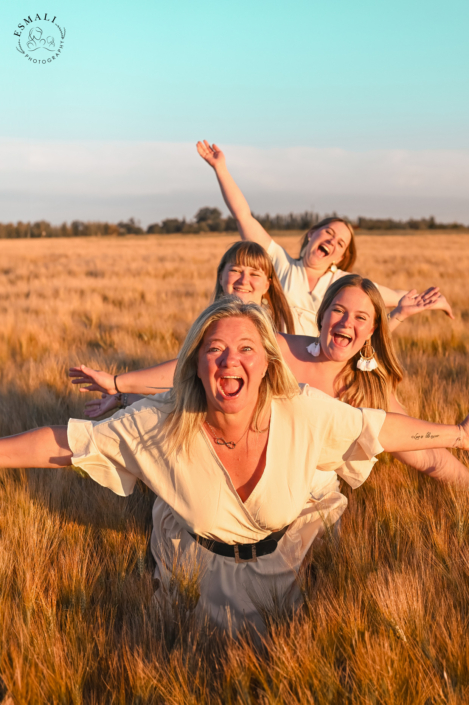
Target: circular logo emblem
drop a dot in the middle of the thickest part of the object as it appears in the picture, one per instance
(40, 40)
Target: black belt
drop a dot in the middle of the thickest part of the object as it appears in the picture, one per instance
(242, 552)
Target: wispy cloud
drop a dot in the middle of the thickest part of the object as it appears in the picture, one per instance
(105, 179)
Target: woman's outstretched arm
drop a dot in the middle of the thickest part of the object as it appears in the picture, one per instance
(45, 447)
(412, 303)
(149, 381)
(401, 433)
(249, 228)
(438, 464)
(395, 297)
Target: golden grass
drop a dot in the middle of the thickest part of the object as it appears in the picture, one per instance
(386, 609)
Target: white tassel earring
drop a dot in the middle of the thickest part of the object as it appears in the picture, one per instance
(367, 361)
(314, 349)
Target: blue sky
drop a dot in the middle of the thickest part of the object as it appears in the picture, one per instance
(359, 78)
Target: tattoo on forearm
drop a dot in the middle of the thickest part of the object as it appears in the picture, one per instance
(419, 437)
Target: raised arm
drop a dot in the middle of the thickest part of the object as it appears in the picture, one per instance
(393, 297)
(412, 303)
(249, 228)
(149, 381)
(438, 464)
(45, 447)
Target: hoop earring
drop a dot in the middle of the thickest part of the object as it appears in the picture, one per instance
(314, 349)
(367, 361)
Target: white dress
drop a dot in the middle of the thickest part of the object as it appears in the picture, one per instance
(308, 434)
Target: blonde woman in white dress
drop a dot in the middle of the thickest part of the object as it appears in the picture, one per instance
(328, 252)
(232, 454)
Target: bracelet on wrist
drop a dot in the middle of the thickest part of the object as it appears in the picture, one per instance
(115, 384)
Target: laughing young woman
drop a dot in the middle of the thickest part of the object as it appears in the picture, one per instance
(328, 252)
(232, 453)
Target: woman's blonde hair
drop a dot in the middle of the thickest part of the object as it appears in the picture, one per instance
(188, 394)
(350, 254)
(250, 254)
(371, 389)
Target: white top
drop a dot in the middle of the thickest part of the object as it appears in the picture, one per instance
(308, 434)
(294, 280)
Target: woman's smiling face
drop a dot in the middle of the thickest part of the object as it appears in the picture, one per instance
(327, 245)
(248, 283)
(232, 363)
(347, 324)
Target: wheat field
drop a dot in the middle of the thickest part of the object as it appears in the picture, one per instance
(386, 608)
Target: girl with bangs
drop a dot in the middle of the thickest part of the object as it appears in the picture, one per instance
(328, 252)
(246, 271)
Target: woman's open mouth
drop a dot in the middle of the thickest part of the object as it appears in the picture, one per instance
(325, 251)
(230, 386)
(342, 340)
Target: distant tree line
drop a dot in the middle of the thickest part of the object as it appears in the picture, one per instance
(411, 224)
(206, 220)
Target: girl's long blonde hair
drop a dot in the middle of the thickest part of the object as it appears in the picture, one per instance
(250, 254)
(350, 254)
(188, 394)
(371, 389)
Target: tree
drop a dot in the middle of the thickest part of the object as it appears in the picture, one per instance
(205, 214)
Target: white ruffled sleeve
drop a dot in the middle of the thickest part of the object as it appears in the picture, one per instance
(118, 450)
(102, 467)
(360, 458)
(349, 437)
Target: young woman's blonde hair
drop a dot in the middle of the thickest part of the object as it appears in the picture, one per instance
(188, 394)
(350, 254)
(370, 389)
(250, 254)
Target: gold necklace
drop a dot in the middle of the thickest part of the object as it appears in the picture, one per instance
(231, 445)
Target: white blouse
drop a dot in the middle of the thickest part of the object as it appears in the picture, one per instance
(309, 434)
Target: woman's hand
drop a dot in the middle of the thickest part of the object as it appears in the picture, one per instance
(97, 380)
(413, 302)
(98, 407)
(212, 154)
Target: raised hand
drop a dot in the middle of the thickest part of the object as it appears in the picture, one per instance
(98, 407)
(212, 154)
(97, 380)
(413, 302)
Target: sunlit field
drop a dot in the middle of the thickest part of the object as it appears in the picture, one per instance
(386, 611)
